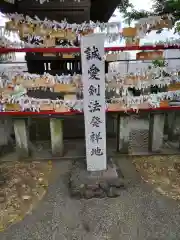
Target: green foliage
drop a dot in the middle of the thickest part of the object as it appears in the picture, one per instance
(177, 27)
(124, 5)
(167, 7)
(160, 7)
(159, 63)
(135, 15)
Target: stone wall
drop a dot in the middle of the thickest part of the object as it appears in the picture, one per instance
(6, 136)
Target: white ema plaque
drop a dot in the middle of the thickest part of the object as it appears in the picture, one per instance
(93, 75)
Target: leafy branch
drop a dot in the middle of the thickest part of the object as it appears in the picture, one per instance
(160, 7)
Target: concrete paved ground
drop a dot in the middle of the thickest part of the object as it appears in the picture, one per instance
(138, 214)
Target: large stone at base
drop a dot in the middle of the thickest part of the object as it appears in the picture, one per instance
(84, 184)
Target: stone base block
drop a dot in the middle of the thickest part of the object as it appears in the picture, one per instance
(101, 184)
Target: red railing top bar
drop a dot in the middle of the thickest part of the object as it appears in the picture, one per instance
(76, 50)
(70, 113)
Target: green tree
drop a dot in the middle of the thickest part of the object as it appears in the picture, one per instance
(160, 7)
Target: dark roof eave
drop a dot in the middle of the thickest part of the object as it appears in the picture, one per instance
(103, 11)
(6, 7)
(100, 11)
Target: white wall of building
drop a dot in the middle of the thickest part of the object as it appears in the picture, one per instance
(135, 66)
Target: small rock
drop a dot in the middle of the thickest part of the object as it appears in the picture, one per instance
(89, 194)
(118, 183)
(82, 186)
(117, 192)
(99, 193)
(104, 185)
(113, 192)
(110, 192)
(92, 186)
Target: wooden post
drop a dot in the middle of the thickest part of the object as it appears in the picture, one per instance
(124, 129)
(21, 136)
(156, 131)
(56, 128)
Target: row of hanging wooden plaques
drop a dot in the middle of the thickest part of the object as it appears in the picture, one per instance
(147, 55)
(133, 32)
(73, 87)
(15, 107)
(62, 108)
(25, 29)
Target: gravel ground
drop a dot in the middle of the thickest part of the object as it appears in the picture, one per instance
(138, 214)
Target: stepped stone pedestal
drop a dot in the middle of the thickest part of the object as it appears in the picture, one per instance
(100, 184)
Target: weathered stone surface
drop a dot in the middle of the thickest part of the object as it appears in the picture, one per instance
(118, 183)
(117, 191)
(113, 192)
(92, 186)
(110, 192)
(89, 194)
(75, 193)
(84, 184)
(99, 193)
(104, 185)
